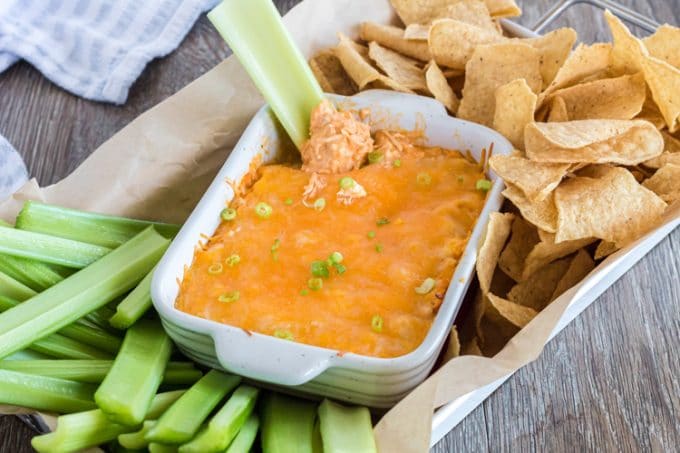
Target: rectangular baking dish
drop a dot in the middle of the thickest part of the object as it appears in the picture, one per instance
(375, 382)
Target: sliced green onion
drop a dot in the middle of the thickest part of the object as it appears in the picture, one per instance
(233, 260)
(337, 422)
(378, 248)
(275, 249)
(426, 286)
(374, 157)
(284, 335)
(315, 284)
(288, 201)
(346, 182)
(215, 268)
(340, 268)
(228, 297)
(228, 214)
(483, 185)
(461, 178)
(397, 163)
(382, 221)
(377, 323)
(423, 179)
(371, 234)
(135, 304)
(304, 292)
(263, 210)
(320, 269)
(336, 257)
(319, 204)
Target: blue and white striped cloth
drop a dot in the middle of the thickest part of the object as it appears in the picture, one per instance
(95, 49)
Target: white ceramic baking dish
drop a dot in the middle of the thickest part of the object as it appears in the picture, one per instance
(375, 382)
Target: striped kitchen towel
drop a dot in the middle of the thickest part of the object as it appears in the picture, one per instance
(94, 48)
(12, 169)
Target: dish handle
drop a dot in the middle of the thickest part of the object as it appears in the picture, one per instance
(269, 359)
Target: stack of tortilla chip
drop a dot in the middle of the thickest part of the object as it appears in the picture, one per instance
(596, 131)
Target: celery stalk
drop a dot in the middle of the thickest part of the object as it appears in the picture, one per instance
(346, 429)
(224, 426)
(133, 307)
(34, 274)
(181, 422)
(61, 347)
(99, 229)
(93, 371)
(256, 34)
(87, 429)
(10, 287)
(49, 249)
(287, 424)
(81, 293)
(243, 443)
(100, 318)
(128, 389)
(44, 393)
(136, 440)
(155, 447)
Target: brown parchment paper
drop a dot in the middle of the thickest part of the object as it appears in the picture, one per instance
(158, 166)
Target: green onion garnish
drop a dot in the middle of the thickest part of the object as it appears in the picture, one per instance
(231, 296)
(263, 210)
(284, 335)
(275, 249)
(423, 179)
(340, 268)
(336, 257)
(396, 163)
(374, 157)
(320, 269)
(215, 268)
(288, 201)
(483, 185)
(426, 286)
(382, 221)
(228, 214)
(371, 234)
(304, 292)
(461, 179)
(319, 204)
(315, 284)
(378, 248)
(233, 260)
(346, 182)
(377, 323)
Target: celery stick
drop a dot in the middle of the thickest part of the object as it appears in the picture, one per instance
(81, 293)
(10, 287)
(44, 393)
(128, 389)
(155, 447)
(99, 229)
(287, 424)
(92, 342)
(87, 429)
(136, 440)
(245, 438)
(180, 423)
(93, 371)
(346, 429)
(34, 274)
(49, 249)
(133, 307)
(317, 443)
(24, 355)
(224, 426)
(61, 347)
(100, 318)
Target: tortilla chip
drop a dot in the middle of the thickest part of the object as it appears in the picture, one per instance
(618, 98)
(473, 12)
(393, 38)
(497, 331)
(613, 207)
(536, 291)
(542, 214)
(604, 249)
(558, 111)
(401, 69)
(518, 315)
(495, 236)
(664, 44)
(515, 105)
(665, 183)
(424, 11)
(417, 32)
(453, 42)
(503, 8)
(579, 267)
(554, 48)
(490, 67)
(471, 347)
(671, 154)
(452, 346)
(354, 57)
(630, 55)
(418, 12)
(536, 179)
(584, 62)
(625, 142)
(650, 112)
(331, 75)
(548, 251)
(523, 238)
(440, 88)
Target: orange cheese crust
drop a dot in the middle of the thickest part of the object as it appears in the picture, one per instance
(431, 204)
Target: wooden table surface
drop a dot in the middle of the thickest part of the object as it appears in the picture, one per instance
(610, 381)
